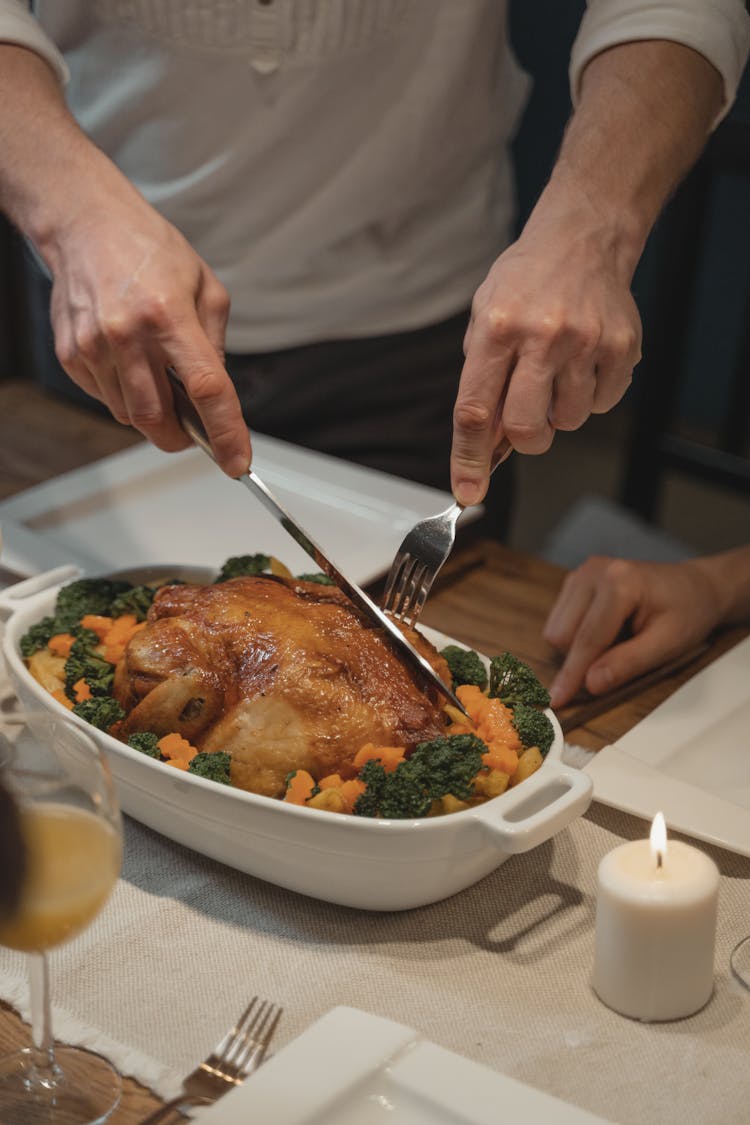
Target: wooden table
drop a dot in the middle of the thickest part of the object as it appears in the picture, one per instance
(489, 597)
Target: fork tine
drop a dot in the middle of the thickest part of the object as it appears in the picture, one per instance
(412, 574)
(234, 1058)
(407, 600)
(422, 553)
(394, 586)
(391, 597)
(222, 1060)
(420, 576)
(253, 1035)
(257, 1047)
(416, 564)
(243, 1048)
(223, 1049)
(417, 604)
(401, 591)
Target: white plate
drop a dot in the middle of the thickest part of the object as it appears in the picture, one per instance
(27, 554)
(145, 506)
(352, 1068)
(689, 758)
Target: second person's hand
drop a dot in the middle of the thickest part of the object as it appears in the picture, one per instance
(615, 619)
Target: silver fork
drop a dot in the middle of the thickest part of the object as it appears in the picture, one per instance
(422, 554)
(233, 1059)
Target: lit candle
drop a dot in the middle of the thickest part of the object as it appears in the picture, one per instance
(655, 928)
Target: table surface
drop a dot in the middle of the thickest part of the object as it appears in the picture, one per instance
(489, 596)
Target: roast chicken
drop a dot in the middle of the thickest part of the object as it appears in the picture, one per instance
(281, 673)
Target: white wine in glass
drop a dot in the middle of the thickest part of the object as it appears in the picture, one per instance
(72, 835)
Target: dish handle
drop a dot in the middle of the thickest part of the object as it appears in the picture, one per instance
(12, 595)
(534, 811)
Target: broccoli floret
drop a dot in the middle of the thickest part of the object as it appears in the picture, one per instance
(404, 795)
(86, 595)
(445, 765)
(519, 688)
(373, 775)
(466, 666)
(512, 682)
(146, 742)
(83, 663)
(534, 727)
(318, 576)
(214, 766)
(240, 566)
(137, 600)
(102, 712)
(37, 636)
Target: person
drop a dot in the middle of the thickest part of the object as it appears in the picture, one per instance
(615, 618)
(341, 171)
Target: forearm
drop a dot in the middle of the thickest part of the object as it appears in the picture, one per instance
(130, 296)
(644, 114)
(729, 575)
(47, 162)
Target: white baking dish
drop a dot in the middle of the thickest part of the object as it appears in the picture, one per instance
(353, 861)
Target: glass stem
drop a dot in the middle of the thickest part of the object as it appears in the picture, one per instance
(41, 1016)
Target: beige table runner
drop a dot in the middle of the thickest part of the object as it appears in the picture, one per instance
(499, 973)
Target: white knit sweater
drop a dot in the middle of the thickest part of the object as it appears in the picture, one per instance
(341, 164)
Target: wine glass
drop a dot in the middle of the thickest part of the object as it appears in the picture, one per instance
(71, 829)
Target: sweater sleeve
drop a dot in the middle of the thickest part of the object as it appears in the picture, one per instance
(717, 29)
(17, 25)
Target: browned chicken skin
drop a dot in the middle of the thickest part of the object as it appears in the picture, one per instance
(282, 674)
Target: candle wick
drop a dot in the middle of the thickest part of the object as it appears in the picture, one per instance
(659, 859)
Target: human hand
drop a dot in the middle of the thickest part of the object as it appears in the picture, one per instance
(131, 296)
(553, 337)
(666, 608)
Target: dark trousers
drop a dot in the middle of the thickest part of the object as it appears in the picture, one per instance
(385, 402)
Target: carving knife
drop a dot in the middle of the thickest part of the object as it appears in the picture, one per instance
(193, 426)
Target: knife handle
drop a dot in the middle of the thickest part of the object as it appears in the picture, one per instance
(187, 415)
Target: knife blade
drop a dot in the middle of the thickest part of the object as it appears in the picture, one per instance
(192, 424)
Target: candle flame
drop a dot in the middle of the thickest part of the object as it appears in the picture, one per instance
(658, 838)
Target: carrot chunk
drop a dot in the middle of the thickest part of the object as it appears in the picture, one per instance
(97, 624)
(175, 746)
(300, 787)
(501, 757)
(121, 629)
(61, 644)
(350, 791)
(472, 698)
(81, 690)
(496, 724)
(61, 697)
(332, 781)
(389, 756)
